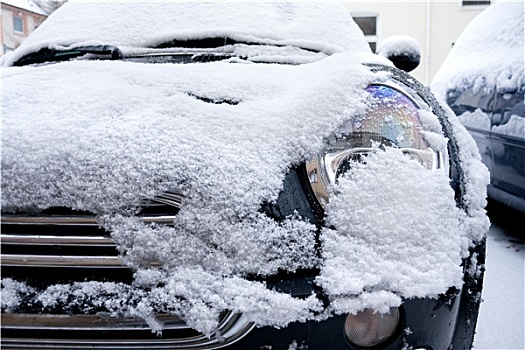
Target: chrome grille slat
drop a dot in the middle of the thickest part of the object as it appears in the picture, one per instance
(61, 240)
(74, 221)
(232, 327)
(60, 261)
(78, 322)
(49, 220)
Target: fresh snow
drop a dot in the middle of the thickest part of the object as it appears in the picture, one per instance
(476, 119)
(123, 132)
(514, 127)
(376, 228)
(397, 45)
(501, 321)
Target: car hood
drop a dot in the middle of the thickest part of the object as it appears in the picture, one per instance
(124, 131)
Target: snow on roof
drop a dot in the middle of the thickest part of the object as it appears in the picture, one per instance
(144, 24)
(102, 135)
(489, 52)
(28, 5)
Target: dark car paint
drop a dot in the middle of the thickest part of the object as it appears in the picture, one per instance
(503, 154)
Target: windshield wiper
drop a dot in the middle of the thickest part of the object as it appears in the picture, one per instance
(218, 42)
(206, 43)
(53, 55)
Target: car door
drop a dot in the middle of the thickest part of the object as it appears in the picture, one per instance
(508, 142)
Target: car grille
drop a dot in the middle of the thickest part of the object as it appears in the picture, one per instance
(67, 247)
(43, 331)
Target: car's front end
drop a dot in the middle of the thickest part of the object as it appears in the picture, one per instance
(267, 193)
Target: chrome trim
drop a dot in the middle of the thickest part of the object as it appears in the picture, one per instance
(60, 261)
(87, 241)
(169, 198)
(82, 322)
(49, 220)
(73, 220)
(231, 329)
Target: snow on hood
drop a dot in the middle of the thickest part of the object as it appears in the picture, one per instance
(142, 24)
(489, 52)
(121, 132)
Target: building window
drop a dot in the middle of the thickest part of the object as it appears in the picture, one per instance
(475, 2)
(18, 24)
(368, 24)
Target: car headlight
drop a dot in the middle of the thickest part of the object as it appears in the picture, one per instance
(393, 120)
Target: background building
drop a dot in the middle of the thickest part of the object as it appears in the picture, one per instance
(19, 19)
(434, 24)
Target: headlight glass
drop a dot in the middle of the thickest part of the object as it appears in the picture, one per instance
(393, 120)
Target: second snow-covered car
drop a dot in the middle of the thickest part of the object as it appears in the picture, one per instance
(483, 81)
(231, 175)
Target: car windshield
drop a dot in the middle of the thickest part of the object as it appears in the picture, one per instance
(173, 51)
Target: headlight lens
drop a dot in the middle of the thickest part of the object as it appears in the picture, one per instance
(368, 328)
(393, 120)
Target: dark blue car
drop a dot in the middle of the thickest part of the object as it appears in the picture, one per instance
(482, 81)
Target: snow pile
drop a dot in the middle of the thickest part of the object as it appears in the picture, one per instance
(14, 294)
(475, 179)
(489, 52)
(476, 119)
(374, 227)
(91, 151)
(217, 242)
(514, 127)
(191, 293)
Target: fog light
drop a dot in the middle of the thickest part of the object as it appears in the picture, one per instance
(369, 328)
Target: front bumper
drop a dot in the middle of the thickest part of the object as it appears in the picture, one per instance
(425, 324)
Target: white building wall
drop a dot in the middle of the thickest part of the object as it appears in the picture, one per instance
(449, 19)
(10, 38)
(434, 24)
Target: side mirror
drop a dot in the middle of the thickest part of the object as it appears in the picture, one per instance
(402, 50)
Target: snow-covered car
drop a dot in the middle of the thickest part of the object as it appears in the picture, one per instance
(482, 80)
(231, 175)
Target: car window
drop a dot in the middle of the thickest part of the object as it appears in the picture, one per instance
(467, 100)
(509, 114)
